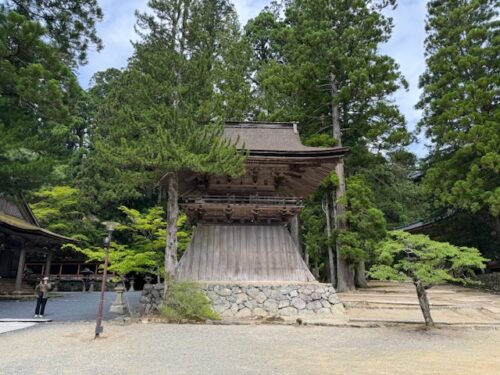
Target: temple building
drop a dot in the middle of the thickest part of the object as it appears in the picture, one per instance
(21, 236)
(241, 223)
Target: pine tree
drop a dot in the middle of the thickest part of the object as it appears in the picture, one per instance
(460, 104)
(70, 24)
(164, 113)
(426, 263)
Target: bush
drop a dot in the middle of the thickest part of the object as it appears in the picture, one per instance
(185, 300)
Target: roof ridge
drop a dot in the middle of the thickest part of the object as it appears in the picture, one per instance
(258, 124)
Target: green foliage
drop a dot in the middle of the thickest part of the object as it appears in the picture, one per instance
(299, 47)
(311, 57)
(460, 105)
(403, 255)
(164, 112)
(394, 192)
(37, 92)
(320, 140)
(315, 240)
(185, 300)
(70, 24)
(366, 223)
(122, 259)
(57, 209)
(139, 243)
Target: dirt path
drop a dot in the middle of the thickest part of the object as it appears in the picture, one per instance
(265, 349)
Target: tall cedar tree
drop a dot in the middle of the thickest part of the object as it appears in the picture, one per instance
(163, 114)
(460, 102)
(36, 92)
(320, 65)
(40, 99)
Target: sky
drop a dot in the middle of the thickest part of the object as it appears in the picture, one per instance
(406, 46)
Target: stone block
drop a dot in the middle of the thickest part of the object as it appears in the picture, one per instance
(267, 292)
(288, 311)
(338, 309)
(315, 296)
(221, 291)
(285, 291)
(261, 297)
(324, 311)
(294, 293)
(284, 303)
(235, 290)
(259, 312)
(234, 308)
(305, 290)
(306, 312)
(305, 297)
(251, 304)
(314, 305)
(271, 306)
(325, 303)
(298, 303)
(212, 296)
(227, 314)
(253, 292)
(221, 306)
(244, 313)
(333, 299)
(241, 297)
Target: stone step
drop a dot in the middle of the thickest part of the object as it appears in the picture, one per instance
(361, 306)
(421, 321)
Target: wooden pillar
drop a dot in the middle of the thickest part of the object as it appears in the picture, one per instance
(48, 262)
(295, 232)
(20, 268)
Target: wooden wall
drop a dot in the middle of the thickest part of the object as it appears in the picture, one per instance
(232, 252)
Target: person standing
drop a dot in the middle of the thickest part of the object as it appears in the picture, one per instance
(42, 294)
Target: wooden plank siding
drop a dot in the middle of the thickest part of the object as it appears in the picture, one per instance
(233, 252)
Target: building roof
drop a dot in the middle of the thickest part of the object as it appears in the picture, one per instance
(17, 218)
(273, 138)
(278, 164)
(16, 206)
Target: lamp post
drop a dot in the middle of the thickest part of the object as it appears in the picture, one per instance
(110, 226)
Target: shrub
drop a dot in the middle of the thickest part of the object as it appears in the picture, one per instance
(185, 300)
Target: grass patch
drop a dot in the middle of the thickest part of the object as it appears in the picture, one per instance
(185, 300)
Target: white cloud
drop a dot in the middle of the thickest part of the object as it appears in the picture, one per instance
(405, 45)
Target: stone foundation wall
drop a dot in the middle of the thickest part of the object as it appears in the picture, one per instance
(252, 300)
(259, 299)
(491, 280)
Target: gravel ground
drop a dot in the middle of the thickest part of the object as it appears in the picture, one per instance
(256, 349)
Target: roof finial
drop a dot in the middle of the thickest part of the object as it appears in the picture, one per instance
(295, 130)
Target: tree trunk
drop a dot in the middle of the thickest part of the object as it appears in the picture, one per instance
(361, 275)
(424, 302)
(345, 274)
(331, 264)
(172, 215)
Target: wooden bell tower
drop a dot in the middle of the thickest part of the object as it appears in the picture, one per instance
(241, 232)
